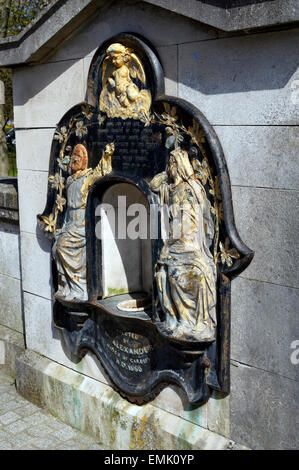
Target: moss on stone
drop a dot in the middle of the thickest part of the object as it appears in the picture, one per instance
(112, 291)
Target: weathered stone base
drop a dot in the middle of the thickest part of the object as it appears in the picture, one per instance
(11, 346)
(96, 409)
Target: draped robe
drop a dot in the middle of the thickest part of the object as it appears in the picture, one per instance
(69, 249)
(186, 272)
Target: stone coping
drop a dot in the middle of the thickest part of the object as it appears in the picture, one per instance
(9, 208)
(63, 17)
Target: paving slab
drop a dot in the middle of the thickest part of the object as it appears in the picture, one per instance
(24, 426)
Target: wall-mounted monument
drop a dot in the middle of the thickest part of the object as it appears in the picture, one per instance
(144, 242)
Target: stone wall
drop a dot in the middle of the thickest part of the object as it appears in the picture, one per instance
(243, 84)
(11, 315)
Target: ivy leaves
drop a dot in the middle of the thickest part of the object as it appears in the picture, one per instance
(227, 254)
(174, 138)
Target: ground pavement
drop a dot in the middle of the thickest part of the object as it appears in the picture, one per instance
(24, 426)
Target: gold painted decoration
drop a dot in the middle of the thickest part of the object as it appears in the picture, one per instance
(69, 249)
(153, 308)
(185, 272)
(103, 168)
(176, 131)
(152, 305)
(120, 95)
(57, 181)
(227, 254)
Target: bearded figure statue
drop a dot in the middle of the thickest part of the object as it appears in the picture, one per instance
(69, 249)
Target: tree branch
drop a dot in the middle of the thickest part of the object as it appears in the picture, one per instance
(4, 18)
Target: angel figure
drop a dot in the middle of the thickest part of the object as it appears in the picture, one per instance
(69, 249)
(120, 96)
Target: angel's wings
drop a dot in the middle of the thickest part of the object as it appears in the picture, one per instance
(107, 70)
(136, 68)
(134, 65)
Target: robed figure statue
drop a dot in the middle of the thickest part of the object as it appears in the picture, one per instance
(185, 272)
(69, 249)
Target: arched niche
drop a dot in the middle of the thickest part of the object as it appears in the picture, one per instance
(126, 247)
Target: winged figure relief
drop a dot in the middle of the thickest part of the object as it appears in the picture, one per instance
(120, 96)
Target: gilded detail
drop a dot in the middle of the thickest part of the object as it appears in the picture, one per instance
(142, 258)
(69, 249)
(227, 254)
(120, 95)
(176, 131)
(185, 272)
(57, 181)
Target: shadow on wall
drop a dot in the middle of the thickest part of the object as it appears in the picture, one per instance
(234, 65)
(45, 245)
(233, 3)
(28, 86)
